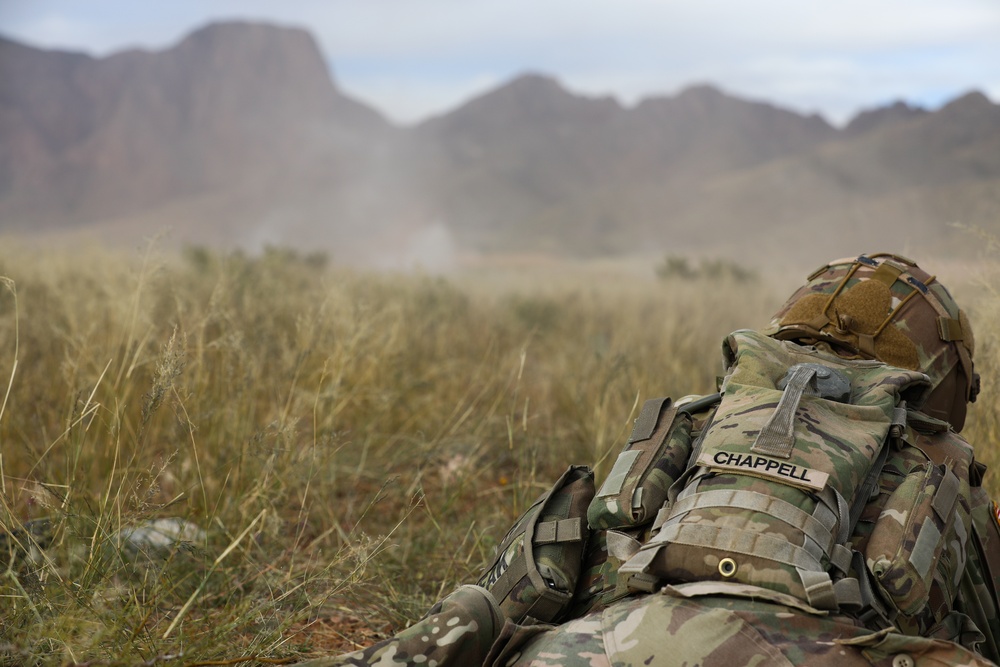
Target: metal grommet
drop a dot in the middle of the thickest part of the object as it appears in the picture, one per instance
(903, 660)
(727, 568)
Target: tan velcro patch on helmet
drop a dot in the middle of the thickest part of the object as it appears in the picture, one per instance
(894, 348)
(809, 311)
(867, 303)
(858, 312)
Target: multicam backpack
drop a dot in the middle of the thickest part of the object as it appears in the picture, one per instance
(773, 487)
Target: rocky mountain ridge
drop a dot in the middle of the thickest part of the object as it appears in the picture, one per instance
(239, 135)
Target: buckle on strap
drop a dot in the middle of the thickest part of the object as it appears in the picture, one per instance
(872, 613)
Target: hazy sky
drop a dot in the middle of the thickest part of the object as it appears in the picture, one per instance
(413, 58)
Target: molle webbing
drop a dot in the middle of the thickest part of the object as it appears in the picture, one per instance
(818, 528)
(736, 541)
(920, 534)
(871, 481)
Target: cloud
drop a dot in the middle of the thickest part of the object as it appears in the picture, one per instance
(411, 58)
(834, 58)
(445, 27)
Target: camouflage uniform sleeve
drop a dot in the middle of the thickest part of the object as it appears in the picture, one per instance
(457, 632)
(979, 591)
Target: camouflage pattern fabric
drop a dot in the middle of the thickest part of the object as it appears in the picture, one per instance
(696, 624)
(458, 631)
(686, 625)
(907, 540)
(979, 591)
(599, 584)
(692, 624)
(680, 627)
(655, 456)
(763, 506)
(891, 523)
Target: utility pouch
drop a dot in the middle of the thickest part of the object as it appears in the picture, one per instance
(916, 531)
(538, 563)
(655, 456)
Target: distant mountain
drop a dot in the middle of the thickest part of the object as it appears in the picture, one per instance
(536, 165)
(509, 156)
(233, 105)
(896, 186)
(871, 119)
(238, 134)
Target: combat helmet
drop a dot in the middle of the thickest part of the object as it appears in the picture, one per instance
(883, 306)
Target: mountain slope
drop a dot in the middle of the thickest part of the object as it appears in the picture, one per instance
(536, 165)
(229, 105)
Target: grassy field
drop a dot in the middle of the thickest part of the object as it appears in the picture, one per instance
(352, 444)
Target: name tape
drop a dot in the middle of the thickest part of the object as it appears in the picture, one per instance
(764, 466)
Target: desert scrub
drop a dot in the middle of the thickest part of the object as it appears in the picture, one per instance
(352, 444)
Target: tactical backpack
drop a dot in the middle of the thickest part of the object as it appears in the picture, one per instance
(772, 488)
(538, 563)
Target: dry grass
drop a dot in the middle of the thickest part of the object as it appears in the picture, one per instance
(352, 444)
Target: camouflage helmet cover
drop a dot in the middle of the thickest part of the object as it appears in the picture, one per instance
(883, 306)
